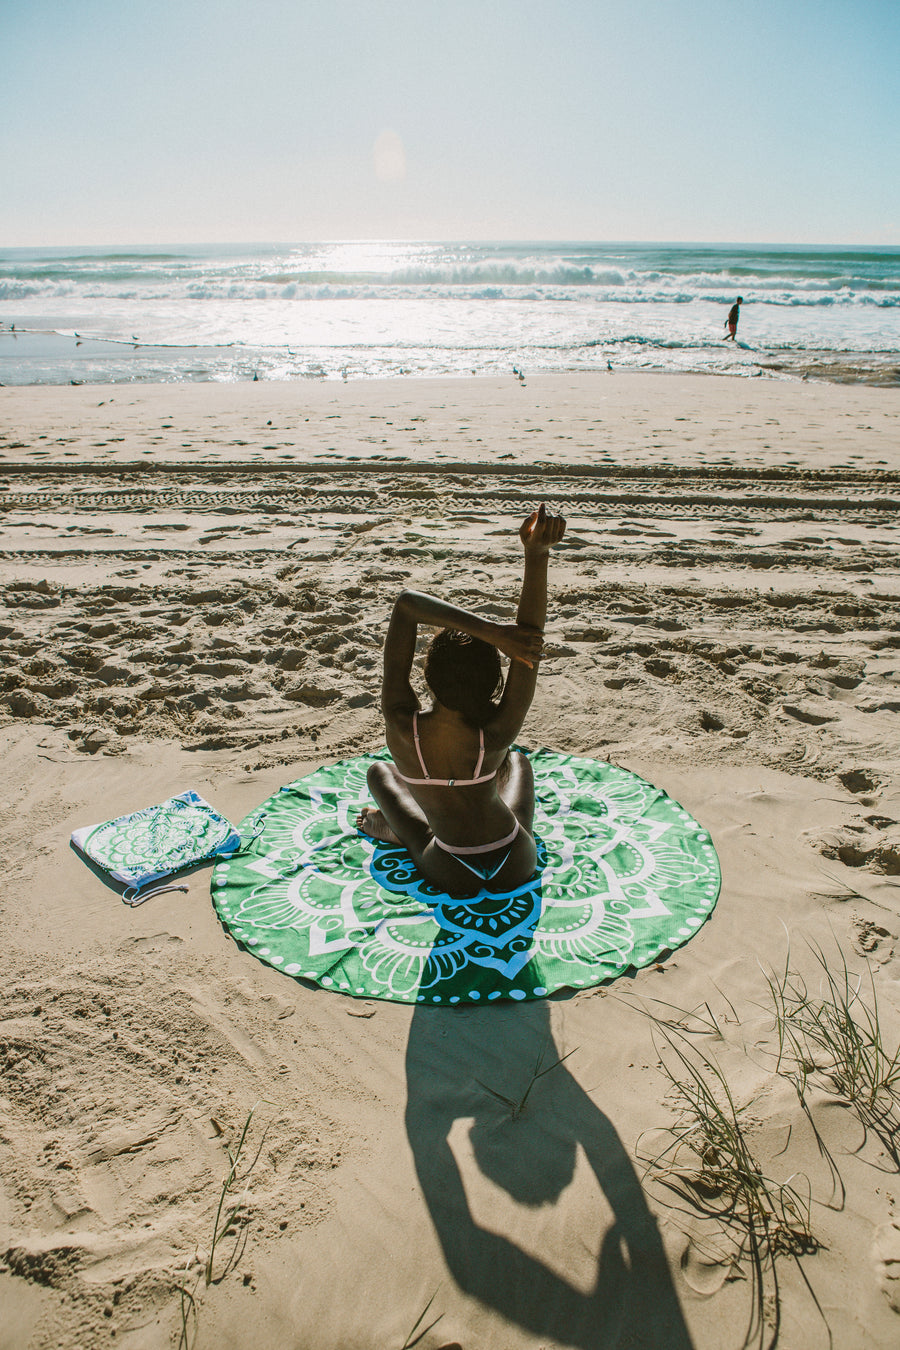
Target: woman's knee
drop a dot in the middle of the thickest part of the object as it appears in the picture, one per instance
(521, 764)
(379, 777)
(521, 776)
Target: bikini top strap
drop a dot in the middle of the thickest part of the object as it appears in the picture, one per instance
(480, 752)
(426, 775)
(418, 747)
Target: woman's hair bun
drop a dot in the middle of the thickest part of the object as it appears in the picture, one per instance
(464, 674)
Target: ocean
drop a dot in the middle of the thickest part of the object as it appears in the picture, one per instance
(361, 310)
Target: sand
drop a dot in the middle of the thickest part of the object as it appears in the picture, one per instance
(196, 582)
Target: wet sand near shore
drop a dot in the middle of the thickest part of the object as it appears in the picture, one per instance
(196, 584)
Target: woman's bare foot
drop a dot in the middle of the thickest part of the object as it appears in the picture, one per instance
(371, 822)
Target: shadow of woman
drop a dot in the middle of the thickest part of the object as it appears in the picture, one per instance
(631, 1301)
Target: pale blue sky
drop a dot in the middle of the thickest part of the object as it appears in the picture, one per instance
(153, 121)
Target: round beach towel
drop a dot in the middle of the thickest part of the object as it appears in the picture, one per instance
(624, 874)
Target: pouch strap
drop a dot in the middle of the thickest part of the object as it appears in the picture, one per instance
(136, 898)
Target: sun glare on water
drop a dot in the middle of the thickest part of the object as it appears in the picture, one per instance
(361, 257)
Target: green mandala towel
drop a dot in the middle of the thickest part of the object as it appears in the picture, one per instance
(624, 873)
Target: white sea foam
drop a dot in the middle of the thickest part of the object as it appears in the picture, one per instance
(382, 308)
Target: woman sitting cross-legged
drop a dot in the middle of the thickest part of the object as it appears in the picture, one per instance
(455, 796)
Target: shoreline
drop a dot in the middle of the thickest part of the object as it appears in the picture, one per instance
(874, 369)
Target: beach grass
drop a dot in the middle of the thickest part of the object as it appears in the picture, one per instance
(836, 1038)
(710, 1168)
(231, 1220)
(516, 1105)
(697, 1021)
(417, 1332)
(833, 1039)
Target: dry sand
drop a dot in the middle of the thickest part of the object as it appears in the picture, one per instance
(196, 581)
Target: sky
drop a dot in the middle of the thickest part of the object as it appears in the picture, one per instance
(206, 121)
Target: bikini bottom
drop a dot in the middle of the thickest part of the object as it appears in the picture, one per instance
(458, 851)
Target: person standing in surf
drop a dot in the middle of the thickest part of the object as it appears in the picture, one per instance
(456, 795)
(731, 322)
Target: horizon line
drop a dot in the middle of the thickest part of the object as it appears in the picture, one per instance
(574, 241)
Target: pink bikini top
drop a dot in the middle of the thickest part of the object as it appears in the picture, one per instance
(428, 781)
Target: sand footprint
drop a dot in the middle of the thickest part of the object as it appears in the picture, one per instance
(886, 1257)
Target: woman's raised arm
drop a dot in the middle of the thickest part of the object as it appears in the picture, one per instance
(538, 534)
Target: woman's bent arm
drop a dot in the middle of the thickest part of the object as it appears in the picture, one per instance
(412, 608)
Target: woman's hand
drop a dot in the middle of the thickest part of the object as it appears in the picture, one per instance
(540, 532)
(518, 642)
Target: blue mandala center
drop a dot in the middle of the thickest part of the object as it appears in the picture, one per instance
(494, 918)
